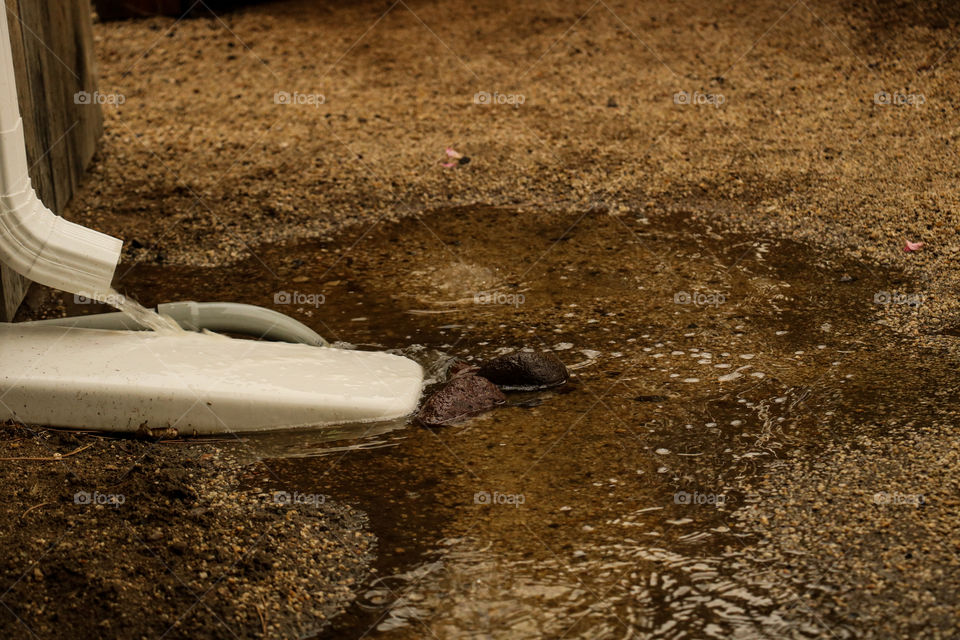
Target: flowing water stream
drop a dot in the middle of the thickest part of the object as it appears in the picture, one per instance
(138, 313)
(607, 508)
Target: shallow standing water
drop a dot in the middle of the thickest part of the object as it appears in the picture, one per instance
(603, 509)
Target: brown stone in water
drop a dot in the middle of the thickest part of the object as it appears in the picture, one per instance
(525, 370)
(462, 397)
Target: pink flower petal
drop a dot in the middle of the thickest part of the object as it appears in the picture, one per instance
(449, 165)
(452, 153)
(913, 246)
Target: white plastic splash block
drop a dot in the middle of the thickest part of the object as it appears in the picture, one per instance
(196, 383)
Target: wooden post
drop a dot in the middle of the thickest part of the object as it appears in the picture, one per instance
(53, 55)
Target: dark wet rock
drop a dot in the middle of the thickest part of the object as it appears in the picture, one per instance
(464, 396)
(525, 370)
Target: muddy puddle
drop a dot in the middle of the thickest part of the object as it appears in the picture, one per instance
(602, 509)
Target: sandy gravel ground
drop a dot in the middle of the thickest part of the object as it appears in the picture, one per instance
(832, 121)
(117, 538)
(852, 540)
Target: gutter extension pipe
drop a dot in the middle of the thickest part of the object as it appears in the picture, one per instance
(34, 241)
(231, 317)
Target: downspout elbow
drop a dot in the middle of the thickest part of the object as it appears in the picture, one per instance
(34, 241)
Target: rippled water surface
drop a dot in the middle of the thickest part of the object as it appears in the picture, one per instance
(602, 509)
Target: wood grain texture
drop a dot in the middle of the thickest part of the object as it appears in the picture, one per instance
(52, 43)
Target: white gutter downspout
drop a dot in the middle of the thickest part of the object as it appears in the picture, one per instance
(34, 241)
